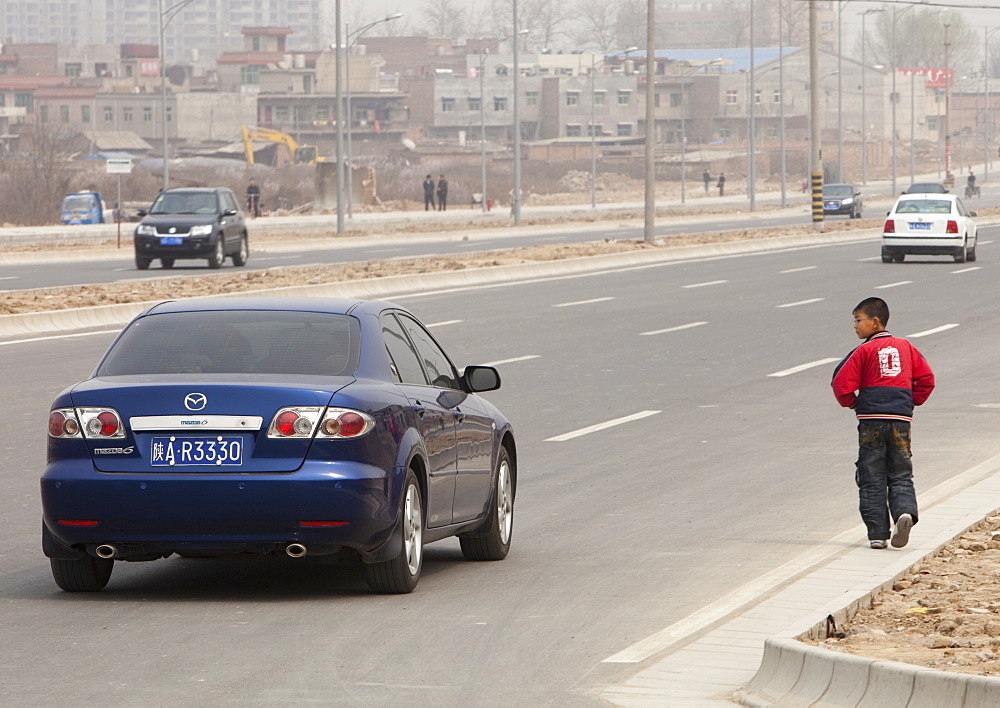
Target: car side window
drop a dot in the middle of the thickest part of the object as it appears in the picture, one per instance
(404, 362)
(230, 202)
(436, 363)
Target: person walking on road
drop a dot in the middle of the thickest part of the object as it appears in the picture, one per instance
(253, 198)
(722, 183)
(882, 380)
(442, 193)
(706, 177)
(428, 193)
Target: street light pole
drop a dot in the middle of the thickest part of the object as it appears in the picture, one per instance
(515, 198)
(751, 144)
(169, 15)
(484, 52)
(864, 97)
(593, 124)
(350, 119)
(781, 110)
(649, 210)
(338, 68)
(840, 91)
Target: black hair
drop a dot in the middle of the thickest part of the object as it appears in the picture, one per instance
(874, 307)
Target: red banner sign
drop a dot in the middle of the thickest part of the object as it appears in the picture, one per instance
(936, 78)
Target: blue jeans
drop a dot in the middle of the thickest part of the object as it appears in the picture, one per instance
(884, 474)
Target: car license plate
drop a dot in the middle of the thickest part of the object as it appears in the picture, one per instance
(830, 205)
(920, 226)
(171, 241)
(218, 451)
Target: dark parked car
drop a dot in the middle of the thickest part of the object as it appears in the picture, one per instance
(926, 188)
(192, 223)
(842, 199)
(262, 426)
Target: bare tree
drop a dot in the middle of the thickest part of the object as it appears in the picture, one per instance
(595, 24)
(737, 13)
(33, 180)
(794, 20)
(630, 23)
(546, 20)
(445, 18)
(920, 41)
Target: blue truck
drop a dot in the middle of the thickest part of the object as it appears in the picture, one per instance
(83, 208)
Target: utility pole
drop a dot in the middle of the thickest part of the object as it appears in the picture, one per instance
(650, 210)
(815, 127)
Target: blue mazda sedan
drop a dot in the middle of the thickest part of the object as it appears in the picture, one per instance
(309, 427)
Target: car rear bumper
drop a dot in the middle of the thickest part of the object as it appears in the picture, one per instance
(923, 245)
(160, 514)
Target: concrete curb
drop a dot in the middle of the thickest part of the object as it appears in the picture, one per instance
(377, 288)
(795, 674)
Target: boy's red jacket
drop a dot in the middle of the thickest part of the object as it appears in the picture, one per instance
(883, 378)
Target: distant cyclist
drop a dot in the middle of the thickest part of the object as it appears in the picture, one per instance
(253, 198)
(970, 188)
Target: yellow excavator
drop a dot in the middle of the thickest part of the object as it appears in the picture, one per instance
(300, 154)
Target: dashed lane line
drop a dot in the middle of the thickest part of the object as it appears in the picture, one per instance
(583, 302)
(966, 270)
(803, 367)
(893, 285)
(444, 323)
(514, 360)
(797, 270)
(802, 302)
(678, 328)
(601, 426)
(706, 284)
(928, 332)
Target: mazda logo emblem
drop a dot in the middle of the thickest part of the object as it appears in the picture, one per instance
(195, 401)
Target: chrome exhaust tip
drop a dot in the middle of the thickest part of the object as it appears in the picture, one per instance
(295, 550)
(106, 550)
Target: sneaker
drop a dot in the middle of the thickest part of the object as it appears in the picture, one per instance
(901, 534)
(877, 544)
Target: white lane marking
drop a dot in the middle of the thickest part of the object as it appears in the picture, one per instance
(892, 285)
(764, 585)
(986, 405)
(266, 257)
(872, 258)
(966, 270)
(802, 302)
(689, 325)
(983, 243)
(926, 332)
(445, 323)
(59, 336)
(10, 277)
(383, 250)
(798, 270)
(803, 367)
(514, 360)
(702, 285)
(583, 302)
(601, 426)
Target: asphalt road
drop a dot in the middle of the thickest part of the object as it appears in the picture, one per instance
(121, 266)
(677, 439)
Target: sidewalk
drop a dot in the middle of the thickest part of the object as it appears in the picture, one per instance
(707, 670)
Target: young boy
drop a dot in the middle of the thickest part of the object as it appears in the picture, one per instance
(882, 380)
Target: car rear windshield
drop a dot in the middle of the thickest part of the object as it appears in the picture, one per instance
(236, 342)
(838, 190)
(925, 187)
(924, 206)
(184, 203)
(77, 203)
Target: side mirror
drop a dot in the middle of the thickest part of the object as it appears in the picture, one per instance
(973, 213)
(229, 212)
(480, 378)
(141, 213)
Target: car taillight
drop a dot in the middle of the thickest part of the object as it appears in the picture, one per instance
(345, 423)
(63, 423)
(952, 227)
(298, 422)
(103, 423)
(890, 227)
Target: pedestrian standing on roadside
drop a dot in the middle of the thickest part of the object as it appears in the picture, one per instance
(428, 193)
(706, 178)
(442, 193)
(722, 183)
(253, 198)
(882, 380)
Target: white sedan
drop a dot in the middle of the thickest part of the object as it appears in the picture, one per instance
(930, 225)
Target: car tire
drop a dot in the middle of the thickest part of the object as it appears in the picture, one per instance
(142, 263)
(960, 255)
(899, 257)
(887, 257)
(499, 527)
(167, 262)
(400, 575)
(241, 256)
(218, 256)
(970, 254)
(86, 574)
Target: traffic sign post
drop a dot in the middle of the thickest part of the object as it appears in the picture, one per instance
(119, 167)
